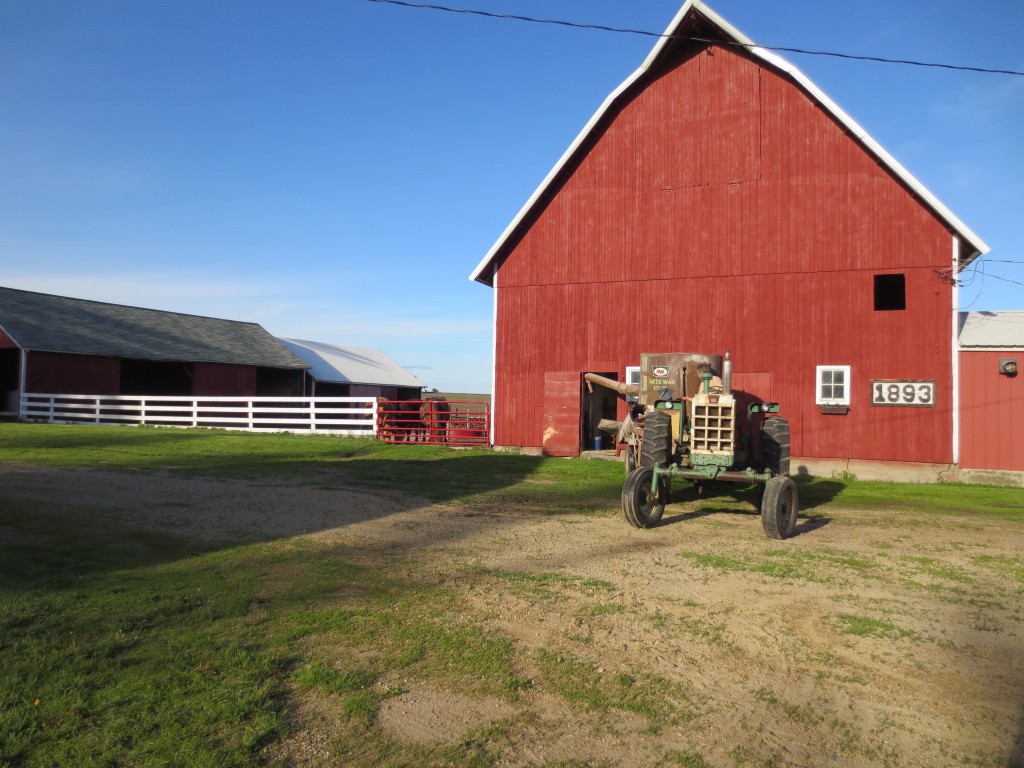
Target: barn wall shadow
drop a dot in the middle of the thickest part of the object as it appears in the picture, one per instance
(59, 524)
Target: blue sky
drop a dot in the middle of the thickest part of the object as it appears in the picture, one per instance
(335, 169)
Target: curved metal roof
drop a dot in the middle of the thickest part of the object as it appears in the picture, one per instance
(351, 365)
(991, 330)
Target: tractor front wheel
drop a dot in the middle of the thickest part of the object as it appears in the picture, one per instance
(642, 508)
(779, 508)
(775, 445)
(656, 446)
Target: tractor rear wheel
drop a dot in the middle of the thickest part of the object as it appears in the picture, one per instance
(642, 508)
(779, 508)
(656, 446)
(775, 445)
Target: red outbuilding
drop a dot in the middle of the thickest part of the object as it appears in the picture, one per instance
(991, 437)
(59, 345)
(718, 200)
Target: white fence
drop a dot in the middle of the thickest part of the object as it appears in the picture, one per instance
(323, 415)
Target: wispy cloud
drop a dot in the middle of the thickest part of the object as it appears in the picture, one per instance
(984, 102)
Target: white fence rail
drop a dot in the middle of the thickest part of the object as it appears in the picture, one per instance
(323, 415)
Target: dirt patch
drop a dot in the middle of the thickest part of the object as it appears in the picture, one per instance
(425, 714)
(871, 639)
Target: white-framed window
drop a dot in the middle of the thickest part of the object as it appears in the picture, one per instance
(632, 377)
(832, 385)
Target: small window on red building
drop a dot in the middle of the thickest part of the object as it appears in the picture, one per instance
(890, 292)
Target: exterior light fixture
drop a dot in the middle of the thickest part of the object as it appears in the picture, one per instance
(1008, 366)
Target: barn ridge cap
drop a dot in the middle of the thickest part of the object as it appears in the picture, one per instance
(482, 274)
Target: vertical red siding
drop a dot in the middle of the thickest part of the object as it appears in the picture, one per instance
(721, 208)
(562, 403)
(55, 373)
(223, 380)
(991, 413)
(6, 342)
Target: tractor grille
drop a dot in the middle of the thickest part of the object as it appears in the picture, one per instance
(713, 427)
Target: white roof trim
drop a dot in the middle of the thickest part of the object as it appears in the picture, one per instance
(773, 60)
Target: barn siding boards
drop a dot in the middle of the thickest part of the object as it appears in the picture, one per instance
(54, 373)
(652, 199)
(218, 380)
(562, 413)
(782, 324)
(991, 403)
(993, 412)
(57, 373)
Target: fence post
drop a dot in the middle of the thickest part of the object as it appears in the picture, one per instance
(249, 403)
(97, 414)
(312, 414)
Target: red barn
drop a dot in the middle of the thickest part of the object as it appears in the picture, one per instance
(992, 396)
(718, 200)
(59, 345)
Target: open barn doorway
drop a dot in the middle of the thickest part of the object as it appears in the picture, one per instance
(598, 403)
(10, 360)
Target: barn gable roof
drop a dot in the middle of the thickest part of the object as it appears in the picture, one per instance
(351, 365)
(691, 11)
(992, 330)
(46, 323)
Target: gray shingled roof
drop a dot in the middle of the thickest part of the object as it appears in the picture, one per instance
(46, 323)
(346, 364)
(992, 329)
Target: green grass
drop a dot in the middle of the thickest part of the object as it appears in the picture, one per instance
(1010, 567)
(936, 498)
(584, 684)
(863, 626)
(442, 474)
(187, 662)
(433, 472)
(820, 565)
(124, 647)
(548, 585)
(128, 665)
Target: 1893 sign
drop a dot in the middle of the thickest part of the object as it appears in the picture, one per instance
(907, 393)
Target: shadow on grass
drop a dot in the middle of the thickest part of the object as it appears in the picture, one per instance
(727, 498)
(58, 524)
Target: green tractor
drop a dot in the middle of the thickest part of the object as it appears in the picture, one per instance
(686, 423)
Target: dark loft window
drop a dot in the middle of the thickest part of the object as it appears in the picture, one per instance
(890, 292)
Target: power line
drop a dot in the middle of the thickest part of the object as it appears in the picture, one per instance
(1004, 279)
(978, 270)
(645, 33)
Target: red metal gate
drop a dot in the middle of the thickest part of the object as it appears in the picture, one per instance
(437, 421)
